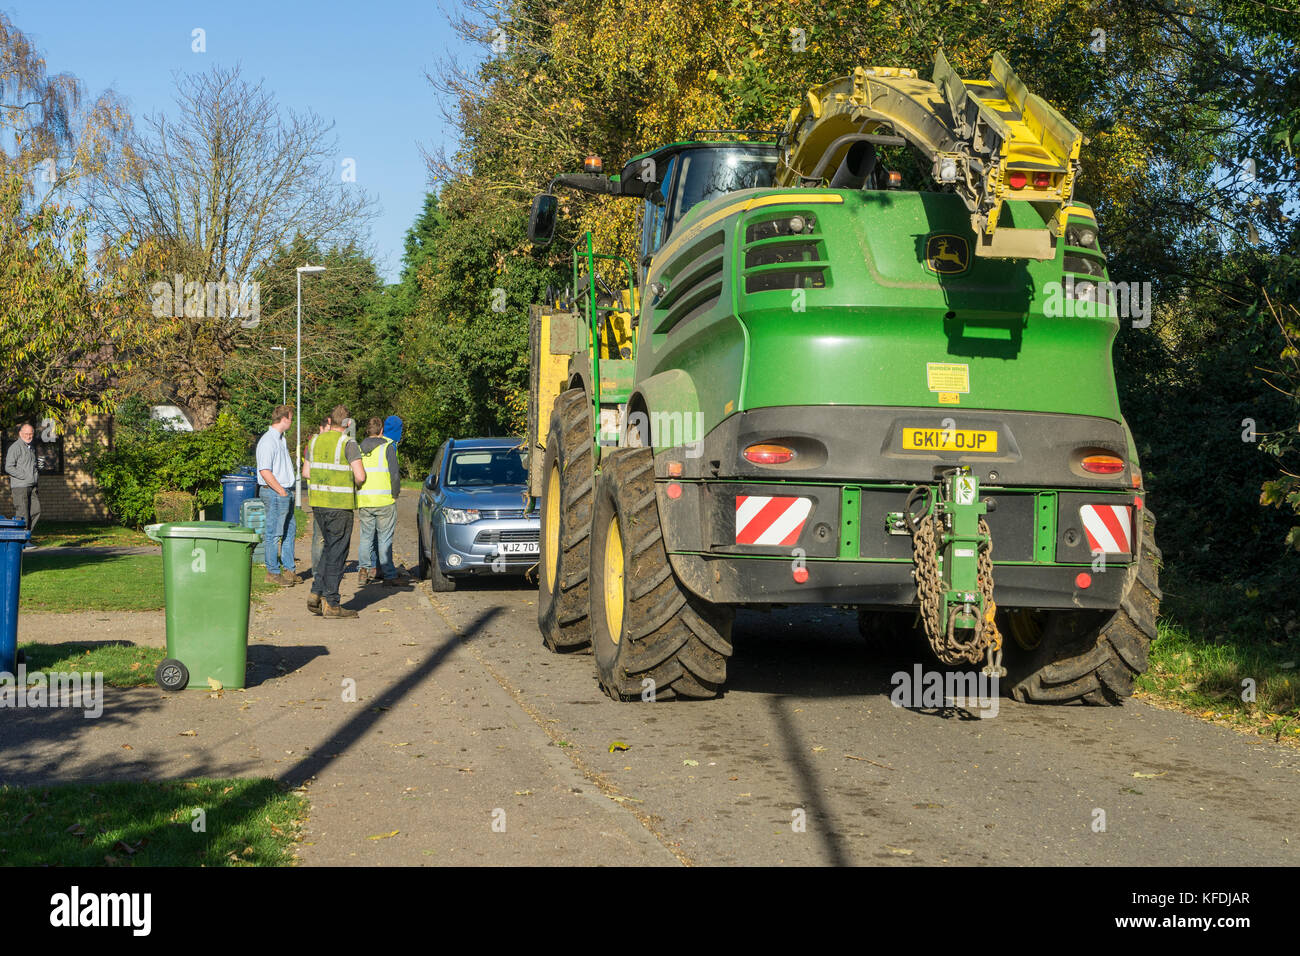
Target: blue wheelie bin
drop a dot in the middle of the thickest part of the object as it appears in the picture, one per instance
(235, 490)
(13, 538)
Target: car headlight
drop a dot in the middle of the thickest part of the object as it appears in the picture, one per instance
(460, 515)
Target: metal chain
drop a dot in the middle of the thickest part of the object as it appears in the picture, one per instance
(986, 641)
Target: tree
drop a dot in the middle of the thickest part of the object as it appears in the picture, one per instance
(70, 320)
(208, 196)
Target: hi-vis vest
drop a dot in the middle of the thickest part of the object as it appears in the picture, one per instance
(330, 484)
(378, 489)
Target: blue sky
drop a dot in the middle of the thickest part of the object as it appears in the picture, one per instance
(360, 65)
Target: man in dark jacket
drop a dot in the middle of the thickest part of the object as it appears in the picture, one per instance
(21, 467)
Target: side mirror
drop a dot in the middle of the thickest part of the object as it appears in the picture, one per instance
(541, 221)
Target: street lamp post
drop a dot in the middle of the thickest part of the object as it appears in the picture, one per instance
(297, 408)
(284, 375)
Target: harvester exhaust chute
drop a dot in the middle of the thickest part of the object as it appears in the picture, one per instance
(989, 140)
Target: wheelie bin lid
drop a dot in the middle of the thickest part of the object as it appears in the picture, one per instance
(210, 530)
(12, 533)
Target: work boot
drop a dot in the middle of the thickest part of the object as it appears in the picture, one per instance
(364, 576)
(338, 610)
(400, 581)
(313, 603)
(288, 578)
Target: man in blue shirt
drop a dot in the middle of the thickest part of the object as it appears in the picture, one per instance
(275, 488)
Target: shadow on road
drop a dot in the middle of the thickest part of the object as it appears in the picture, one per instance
(372, 709)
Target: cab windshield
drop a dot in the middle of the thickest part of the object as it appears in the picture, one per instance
(710, 172)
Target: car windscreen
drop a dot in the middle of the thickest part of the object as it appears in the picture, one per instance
(486, 467)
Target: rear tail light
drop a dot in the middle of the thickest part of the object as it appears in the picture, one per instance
(1103, 464)
(1017, 179)
(765, 454)
(1042, 180)
(895, 179)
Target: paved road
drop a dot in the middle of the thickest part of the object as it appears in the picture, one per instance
(476, 745)
(807, 729)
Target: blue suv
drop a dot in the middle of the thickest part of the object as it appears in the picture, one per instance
(471, 518)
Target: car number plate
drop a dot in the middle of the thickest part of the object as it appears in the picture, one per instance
(949, 439)
(517, 547)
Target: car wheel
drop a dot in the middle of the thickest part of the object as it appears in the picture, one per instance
(442, 583)
(422, 562)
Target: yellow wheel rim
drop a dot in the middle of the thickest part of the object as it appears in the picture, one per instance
(614, 580)
(1026, 628)
(552, 542)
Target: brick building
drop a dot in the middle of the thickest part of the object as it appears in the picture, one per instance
(67, 487)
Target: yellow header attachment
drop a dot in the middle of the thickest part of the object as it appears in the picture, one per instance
(990, 140)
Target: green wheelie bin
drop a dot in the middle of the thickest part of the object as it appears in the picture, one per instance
(206, 570)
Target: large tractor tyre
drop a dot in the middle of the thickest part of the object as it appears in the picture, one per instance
(651, 638)
(567, 479)
(1066, 657)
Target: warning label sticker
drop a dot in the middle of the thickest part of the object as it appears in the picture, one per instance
(946, 377)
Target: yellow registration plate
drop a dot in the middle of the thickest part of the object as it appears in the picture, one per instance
(949, 439)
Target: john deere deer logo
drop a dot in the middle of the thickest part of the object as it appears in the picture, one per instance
(946, 255)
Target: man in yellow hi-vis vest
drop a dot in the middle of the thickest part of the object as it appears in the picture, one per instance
(333, 470)
(377, 507)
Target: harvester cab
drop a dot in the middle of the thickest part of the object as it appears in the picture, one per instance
(848, 359)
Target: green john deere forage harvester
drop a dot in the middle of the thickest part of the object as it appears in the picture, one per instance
(818, 386)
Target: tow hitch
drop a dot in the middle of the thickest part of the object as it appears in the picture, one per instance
(953, 553)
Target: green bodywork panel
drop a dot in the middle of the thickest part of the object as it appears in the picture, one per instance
(868, 314)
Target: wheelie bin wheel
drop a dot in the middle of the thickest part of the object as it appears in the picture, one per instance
(172, 675)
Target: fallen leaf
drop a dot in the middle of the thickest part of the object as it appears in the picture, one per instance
(214, 683)
(523, 793)
(1149, 776)
(818, 750)
(618, 745)
(76, 830)
(384, 836)
(188, 733)
(127, 747)
(124, 847)
(690, 763)
(135, 666)
(898, 851)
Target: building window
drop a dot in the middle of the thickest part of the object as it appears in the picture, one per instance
(49, 454)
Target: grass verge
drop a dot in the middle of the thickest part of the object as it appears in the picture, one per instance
(243, 823)
(1210, 678)
(85, 534)
(133, 582)
(122, 664)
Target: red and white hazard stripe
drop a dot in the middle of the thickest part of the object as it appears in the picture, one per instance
(1109, 527)
(763, 519)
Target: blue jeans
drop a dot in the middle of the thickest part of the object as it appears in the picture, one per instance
(376, 545)
(281, 526)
